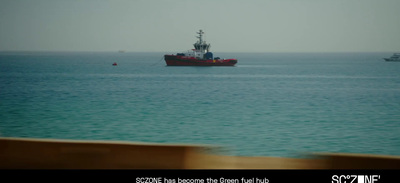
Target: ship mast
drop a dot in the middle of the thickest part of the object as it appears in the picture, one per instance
(200, 36)
(201, 45)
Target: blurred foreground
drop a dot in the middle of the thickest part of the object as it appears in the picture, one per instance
(27, 153)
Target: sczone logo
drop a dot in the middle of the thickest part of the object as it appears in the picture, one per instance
(355, 178)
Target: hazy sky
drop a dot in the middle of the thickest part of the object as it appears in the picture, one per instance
(229, 25)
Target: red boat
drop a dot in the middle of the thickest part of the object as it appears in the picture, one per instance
(200, 56)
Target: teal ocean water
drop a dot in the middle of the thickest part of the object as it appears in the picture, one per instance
(270, 104)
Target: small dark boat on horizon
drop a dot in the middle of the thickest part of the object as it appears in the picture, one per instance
(394, 58)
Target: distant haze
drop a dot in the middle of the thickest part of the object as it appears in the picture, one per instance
(229, 25)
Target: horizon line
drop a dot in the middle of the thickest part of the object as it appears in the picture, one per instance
(124, 51)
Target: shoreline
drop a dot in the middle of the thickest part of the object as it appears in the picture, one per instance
(34, 153)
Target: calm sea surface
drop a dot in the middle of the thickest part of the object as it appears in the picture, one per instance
(270, 104)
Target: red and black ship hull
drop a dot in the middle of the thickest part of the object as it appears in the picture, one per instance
(176, 60)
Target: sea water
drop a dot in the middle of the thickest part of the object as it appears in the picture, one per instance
(269, 104)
